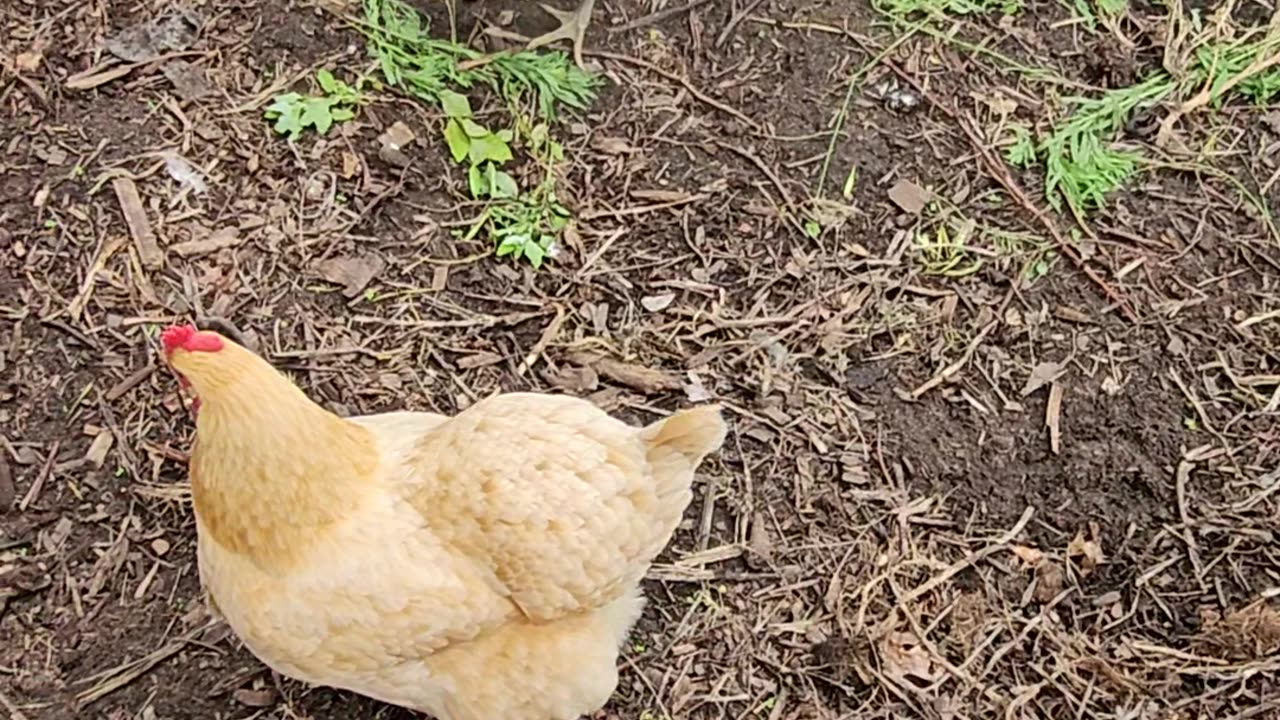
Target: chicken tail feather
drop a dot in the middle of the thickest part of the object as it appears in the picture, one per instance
(676, 445)
(689, 434)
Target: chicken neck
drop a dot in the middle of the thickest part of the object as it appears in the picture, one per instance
(272, 472)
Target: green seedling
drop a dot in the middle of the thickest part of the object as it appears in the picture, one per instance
(945, 254)
(523, 223)
(1022, 152)
(1090, 12)
(293, 112)
(850, 183)
(939, 9)
(398, 39)
(483, 150)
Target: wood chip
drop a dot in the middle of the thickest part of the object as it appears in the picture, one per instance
(8, 493)
(1041, 375)
(910, 197)
(255, 698)
(657, 303)
(480, 359)
(98, 449)
(352, 272)
(118, 390)
(761, 543)
(398, 135)
(221, 239)
(1053, 418)
(139, 226)
(636, 377)
(613, 146)
(662, 196)
(33, 493)
(440, 278)
(95, 76)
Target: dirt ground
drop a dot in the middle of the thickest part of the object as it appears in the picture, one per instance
(977, 496)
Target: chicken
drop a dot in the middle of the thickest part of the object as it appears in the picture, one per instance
(573, 26)
(480, 567)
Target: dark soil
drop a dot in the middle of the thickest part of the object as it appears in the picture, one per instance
(887, 480)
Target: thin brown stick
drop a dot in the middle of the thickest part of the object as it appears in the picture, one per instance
(657, 17)
(33, 493)
(688, 85)
(734, 21)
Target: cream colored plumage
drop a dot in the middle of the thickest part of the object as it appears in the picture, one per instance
(480, 567)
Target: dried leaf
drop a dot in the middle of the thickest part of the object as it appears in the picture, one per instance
(578, 380)
(1089, 552)
(188, 80)
(909, 196)
(638, 377)
(29, 61)
(1041, 375)
(657, 303)
(352, 272)
(905, 657)
(227, 237)
(8, 493)
(1029, 556)
(350, 165)
(695, 391)
(147, 40)
(186, 174)
(1049, 581)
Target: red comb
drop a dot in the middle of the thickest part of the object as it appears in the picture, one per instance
(177, 336)
(189, 339)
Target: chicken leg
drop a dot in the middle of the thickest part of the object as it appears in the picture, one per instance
(573, 25)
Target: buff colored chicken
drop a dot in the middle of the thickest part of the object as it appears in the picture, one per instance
(480, 567)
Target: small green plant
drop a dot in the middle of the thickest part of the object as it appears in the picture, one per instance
(294, 112)
(483, 150)
(1022, 152)
(523, 223)
(1218, 63)
(850, 183)
(1090, 12)
(1083, 166)
(938, 9)
(397, 36)
(1035, 256)
(945, 254)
